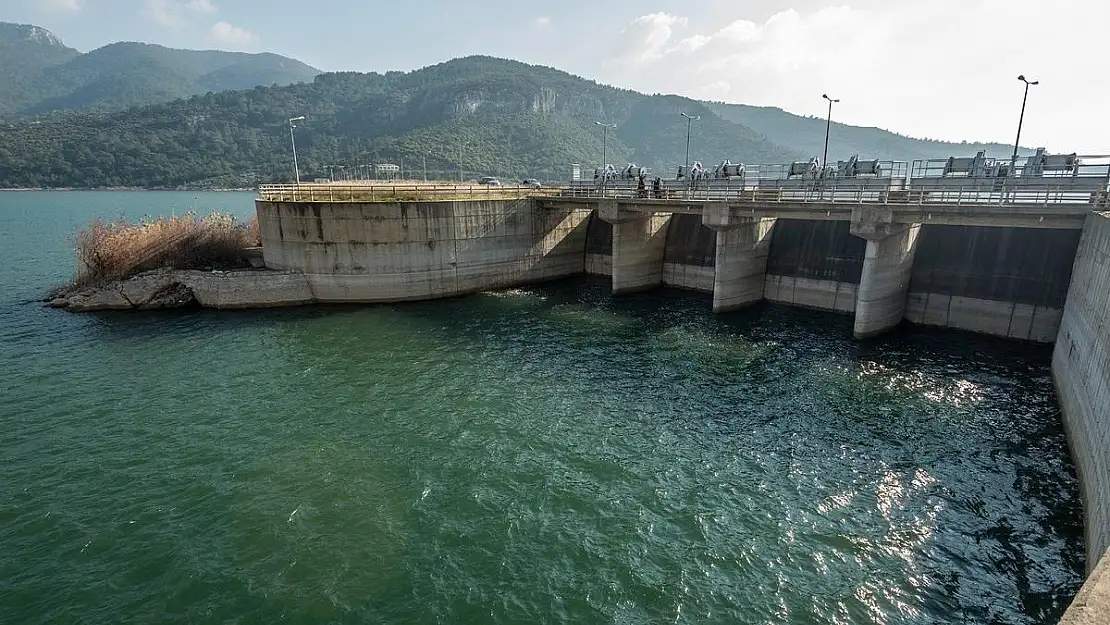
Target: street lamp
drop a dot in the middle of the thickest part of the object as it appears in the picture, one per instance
(293, 142)
(828, 125)
(689, 123)
(1013, 159)
(604, 136)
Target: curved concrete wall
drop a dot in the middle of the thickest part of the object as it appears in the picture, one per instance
(384, 252)
(1081, 369)
(998, 280)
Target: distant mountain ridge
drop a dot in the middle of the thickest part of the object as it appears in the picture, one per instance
(806, 135)
(39, 74)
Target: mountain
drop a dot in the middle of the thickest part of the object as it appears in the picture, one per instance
(25, 52)
(494, 116)
(806, 136)
(504, 117)
(39, 75)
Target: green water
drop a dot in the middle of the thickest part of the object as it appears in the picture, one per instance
(539, 455)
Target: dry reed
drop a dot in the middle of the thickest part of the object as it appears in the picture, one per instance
(115, 251)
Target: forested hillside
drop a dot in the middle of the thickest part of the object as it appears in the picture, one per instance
(503, 117)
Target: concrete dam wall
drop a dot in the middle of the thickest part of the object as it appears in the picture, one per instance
(388, 252)
(1081, 370)
(814, 264)
(998, 280)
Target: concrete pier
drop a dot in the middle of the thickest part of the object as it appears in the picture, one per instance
(639, 244)
(743, 244)
(887, 267)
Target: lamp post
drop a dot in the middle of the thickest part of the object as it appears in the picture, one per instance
(689, 123)
(1013, 159)
(828, 126)
(604, 140)
(293, 142)
(424, 166)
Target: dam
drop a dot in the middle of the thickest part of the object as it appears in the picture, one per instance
(1029, 264)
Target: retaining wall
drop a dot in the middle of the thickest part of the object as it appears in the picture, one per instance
(1081, 369)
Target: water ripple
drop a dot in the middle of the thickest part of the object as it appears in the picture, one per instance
(542, 454)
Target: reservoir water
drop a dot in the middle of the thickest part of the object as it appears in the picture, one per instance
(546, 454)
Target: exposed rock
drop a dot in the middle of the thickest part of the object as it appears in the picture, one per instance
(107, 298)
(169, 288)
(172, 295)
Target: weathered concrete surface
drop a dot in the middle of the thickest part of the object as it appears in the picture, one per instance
(1081, 370)
(387, 252)
(183, 288)
(639, 244)
(599, 265)
(885, 280)
(1091, 605)
(741, 263)
(692, 277)
(1009, 319)
(810, 293)
(1003, 281)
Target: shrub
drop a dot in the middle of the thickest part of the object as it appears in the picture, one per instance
(115, 251)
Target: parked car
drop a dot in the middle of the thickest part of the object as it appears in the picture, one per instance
(490, 180)
(530, 182)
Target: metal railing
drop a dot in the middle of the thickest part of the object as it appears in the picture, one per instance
(888, 170)
(344, 192)
(1095, 166)
(853, 193)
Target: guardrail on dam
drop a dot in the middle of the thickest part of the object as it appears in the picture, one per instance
(1003, 268)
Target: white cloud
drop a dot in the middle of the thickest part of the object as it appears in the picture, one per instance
(943, 69)
(59, 5)
(232, 35)
(173, 13)
(645, 38)
(543, 21)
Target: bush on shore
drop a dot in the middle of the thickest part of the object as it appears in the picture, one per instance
(108, 251)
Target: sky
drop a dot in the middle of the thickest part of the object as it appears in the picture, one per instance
(941, 69)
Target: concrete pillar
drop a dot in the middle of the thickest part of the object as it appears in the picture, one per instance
(887, 265)
(639, 243)
(740, 268)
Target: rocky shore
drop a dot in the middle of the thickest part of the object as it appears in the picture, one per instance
(178, 288)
